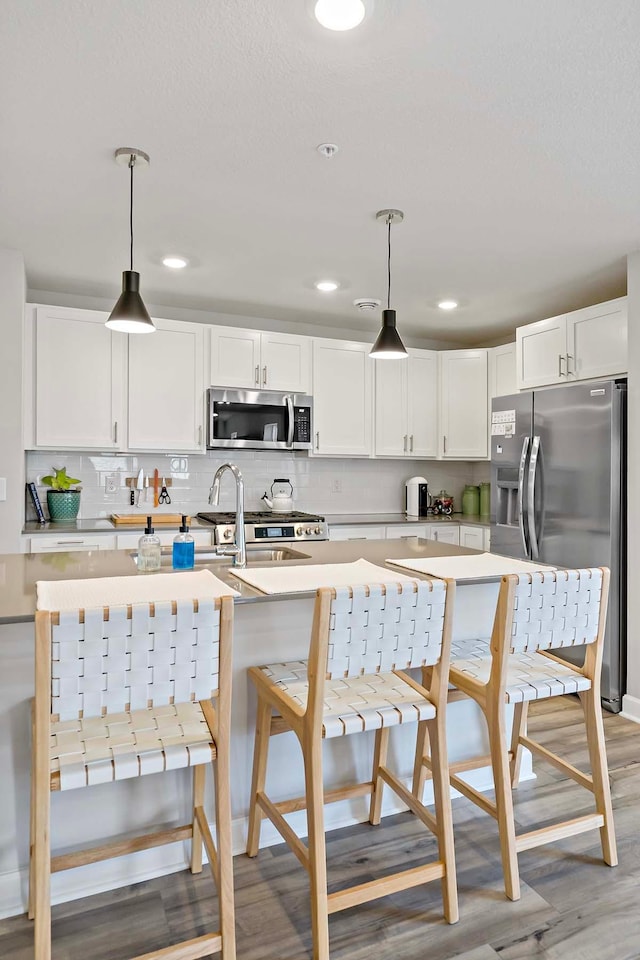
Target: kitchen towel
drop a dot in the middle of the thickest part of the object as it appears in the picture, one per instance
(303, 579)
(121, 591)
(473, 567)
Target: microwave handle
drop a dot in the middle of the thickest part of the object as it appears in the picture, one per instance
(290, 420)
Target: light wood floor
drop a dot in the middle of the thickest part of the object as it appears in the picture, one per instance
(573, 907)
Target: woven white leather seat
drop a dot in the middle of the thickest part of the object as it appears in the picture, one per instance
(530, 676)
(363, 638)
(537, 613)
(128, 690)
(354, 704)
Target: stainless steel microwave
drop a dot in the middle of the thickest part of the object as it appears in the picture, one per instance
(258, 419)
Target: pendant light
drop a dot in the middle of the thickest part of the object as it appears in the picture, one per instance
(389, 346)
(130, 314)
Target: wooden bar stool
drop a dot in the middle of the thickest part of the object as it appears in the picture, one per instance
(535, 614)
(122, 691)
(361, 638)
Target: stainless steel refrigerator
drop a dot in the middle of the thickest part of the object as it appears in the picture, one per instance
(558, 494)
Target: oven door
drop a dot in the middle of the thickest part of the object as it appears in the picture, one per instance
(258, 419)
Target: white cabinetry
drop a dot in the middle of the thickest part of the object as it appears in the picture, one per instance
(50, 543)
(472, 537)
(580, 345)
(359, 532)
(342, 392)
(79, 364)
(464, 419)
(407, 531)
(254, 360)
(444, 533)
(406, 406)
(503, 379)
(166, 388)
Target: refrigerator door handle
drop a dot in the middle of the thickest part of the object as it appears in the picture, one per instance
(531, 498)
(521, 472)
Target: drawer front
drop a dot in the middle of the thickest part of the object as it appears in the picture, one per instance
(357, 533)
(407, 531)
(62, 544)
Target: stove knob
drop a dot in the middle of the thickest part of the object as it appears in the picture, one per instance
(309, 531)
(228, 533)
(299, 531)
(317, 531)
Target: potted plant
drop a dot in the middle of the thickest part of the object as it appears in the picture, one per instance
(62, 501)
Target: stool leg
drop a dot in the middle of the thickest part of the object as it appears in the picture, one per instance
(444, 816)
(419, 769)
(600, 773)
(312, 753)
(41, 894)
(198, 799)
(504, 799)
(519, 729)
(222, 780)
(260, 753)
(32, 829)
(379, 760)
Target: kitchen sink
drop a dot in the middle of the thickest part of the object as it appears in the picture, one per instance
(257, 554)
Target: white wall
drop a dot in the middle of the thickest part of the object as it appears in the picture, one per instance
(631, 702)
(12, 300)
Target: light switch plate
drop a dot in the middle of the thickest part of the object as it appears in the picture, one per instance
(3, 488)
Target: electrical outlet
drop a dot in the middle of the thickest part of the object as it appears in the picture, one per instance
(111, 483)
(336, 485)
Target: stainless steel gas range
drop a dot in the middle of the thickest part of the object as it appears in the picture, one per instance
(263, 527)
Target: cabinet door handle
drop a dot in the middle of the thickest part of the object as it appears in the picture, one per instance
(264, 376)
(561, 372)
(569, 357)
(317, 440)
(115, 431)
(411, 443)
(404, 445)
(444, 444)
(257, 374)
(200, 435)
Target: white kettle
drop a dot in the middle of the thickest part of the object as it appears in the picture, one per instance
(280, 501)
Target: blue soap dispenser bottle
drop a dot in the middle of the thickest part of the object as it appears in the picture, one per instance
(183, 548)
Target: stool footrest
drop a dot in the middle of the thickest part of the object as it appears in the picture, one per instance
(330, 796)
(407, 797)
(283, 828)
(568, 828)
(374, 889)
(119, 848)
(187, 950)
(583, 779)
(474, 795)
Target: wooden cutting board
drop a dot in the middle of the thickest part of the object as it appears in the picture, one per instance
(140, 519)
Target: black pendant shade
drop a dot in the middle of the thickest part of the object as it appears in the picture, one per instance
(130, 314)
(388, 346)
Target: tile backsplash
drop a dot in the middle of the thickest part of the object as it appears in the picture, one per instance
(320, 485)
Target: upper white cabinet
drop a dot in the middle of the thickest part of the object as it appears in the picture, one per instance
(79, 379)
(463, 404)
(406, 406)
(254, 360)
(503, 379)
(342, 392)
(580, 345)
(166, 388)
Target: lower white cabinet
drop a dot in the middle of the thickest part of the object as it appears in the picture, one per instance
(472, 537)
(50, 543)
(166, 388)
(444, 533)
(360, 532)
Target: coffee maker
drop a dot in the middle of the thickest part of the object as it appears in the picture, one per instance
(417, 497)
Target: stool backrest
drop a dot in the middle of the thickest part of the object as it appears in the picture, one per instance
(556, 608)
(116, 659)
(382, 627)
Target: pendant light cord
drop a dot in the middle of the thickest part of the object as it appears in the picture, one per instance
(388, 263)
(132, 162)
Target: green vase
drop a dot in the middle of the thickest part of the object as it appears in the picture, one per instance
(63, 504)
(485, 499)
(471, 500)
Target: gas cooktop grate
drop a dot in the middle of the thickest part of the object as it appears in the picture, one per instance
(264, 516)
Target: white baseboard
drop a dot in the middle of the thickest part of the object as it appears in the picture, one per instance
(630, 708)
(159, 861)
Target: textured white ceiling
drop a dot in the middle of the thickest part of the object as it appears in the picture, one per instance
(507, 131)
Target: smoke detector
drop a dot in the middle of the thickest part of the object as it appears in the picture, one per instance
(327, 150)
(367, 304)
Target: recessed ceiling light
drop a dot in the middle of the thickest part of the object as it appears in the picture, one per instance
(448, 304)
(327, 286)
(339, 14)
(176, 263)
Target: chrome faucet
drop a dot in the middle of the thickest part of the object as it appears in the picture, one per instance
(237, 550)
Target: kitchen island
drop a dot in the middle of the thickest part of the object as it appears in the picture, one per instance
(267, 629)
